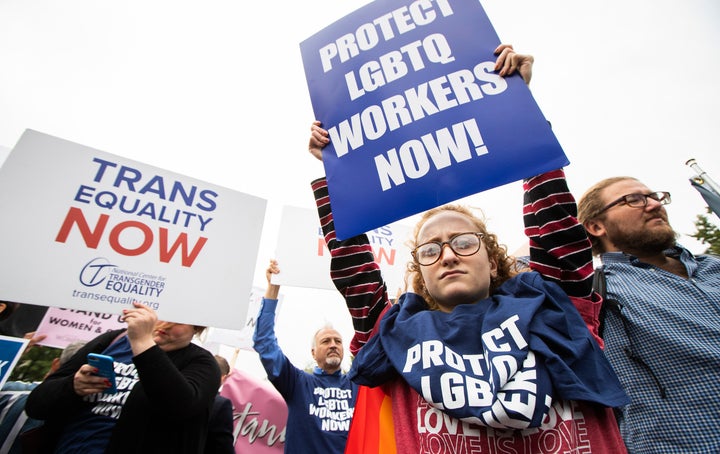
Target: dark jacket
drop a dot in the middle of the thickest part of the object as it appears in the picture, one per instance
(166, 411)
(220, 439)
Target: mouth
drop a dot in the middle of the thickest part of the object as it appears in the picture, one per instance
(451, 273)
(657, 218)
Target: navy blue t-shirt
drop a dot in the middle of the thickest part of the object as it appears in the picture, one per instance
(90, 430)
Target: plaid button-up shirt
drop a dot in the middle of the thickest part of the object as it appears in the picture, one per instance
(665, 347)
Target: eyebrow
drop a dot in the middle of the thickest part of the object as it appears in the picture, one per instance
(336, 339)
(450, 235)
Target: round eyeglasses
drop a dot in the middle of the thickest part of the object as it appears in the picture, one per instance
(462, 244)
(638, 200)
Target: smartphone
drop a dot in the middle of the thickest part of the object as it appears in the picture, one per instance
(106, 368)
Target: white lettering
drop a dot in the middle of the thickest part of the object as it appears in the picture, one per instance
(368, 35)
(428, 98)
(415, 156)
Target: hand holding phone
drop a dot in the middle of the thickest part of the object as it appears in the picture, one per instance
(106, 368)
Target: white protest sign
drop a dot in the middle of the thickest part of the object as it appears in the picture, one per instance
(241, 338)
(304, 259)
(92, 231)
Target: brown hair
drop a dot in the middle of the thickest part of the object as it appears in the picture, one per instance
(590, 205)
(223, 365)
(506, 267)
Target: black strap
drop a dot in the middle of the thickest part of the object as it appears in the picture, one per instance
(600, 286)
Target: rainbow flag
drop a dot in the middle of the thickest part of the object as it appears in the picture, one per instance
(372, 430)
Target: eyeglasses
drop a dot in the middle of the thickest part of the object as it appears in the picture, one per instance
(638, 200)
(462, 244)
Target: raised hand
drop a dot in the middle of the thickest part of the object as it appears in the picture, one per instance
(509, 61)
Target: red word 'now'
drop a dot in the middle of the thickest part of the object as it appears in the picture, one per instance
(92, 237)
(378, 254)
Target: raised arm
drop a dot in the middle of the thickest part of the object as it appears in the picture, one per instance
(277, 366)
(352, 266)
(559, 247)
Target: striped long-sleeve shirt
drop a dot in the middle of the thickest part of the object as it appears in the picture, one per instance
(559, 250)
(561, 253)
(559, 247)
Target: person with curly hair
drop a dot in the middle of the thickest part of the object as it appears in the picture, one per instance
(477, 356)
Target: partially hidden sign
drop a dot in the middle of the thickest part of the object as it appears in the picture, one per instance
(259, 414)
(88, 230)
(417, 115)
(11, 349)
(304, 258)
(63, 327)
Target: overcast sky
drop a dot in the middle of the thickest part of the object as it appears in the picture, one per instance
(215, 90)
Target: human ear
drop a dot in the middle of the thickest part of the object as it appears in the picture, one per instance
(594, 227)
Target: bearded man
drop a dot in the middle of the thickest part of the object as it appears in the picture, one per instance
(662, 335)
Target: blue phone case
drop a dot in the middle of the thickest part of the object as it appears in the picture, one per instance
(106, 368)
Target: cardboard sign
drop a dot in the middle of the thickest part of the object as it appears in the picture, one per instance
(417, 115)
(242, 338)
(304, 258)
(88, 230)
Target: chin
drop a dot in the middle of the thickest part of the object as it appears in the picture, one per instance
(456, 298)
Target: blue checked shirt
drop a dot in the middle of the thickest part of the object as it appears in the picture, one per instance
(664, 344)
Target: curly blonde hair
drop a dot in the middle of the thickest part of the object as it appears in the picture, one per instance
(506, 264)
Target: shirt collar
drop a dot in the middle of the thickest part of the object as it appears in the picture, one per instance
(676, 251)
(318, 371)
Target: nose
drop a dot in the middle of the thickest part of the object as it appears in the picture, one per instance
(450, 256)
(652, 204)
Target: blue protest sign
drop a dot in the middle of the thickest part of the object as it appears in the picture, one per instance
(416, 114)
(11, 348)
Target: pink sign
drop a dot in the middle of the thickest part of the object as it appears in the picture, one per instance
(65, 326)
(259, 414)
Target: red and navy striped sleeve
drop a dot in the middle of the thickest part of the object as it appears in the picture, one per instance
(353, 271)
(559, 250)
(559, 247)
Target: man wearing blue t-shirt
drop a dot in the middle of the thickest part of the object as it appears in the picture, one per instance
(320, 404)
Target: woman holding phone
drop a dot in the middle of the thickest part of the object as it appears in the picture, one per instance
(165, 389)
